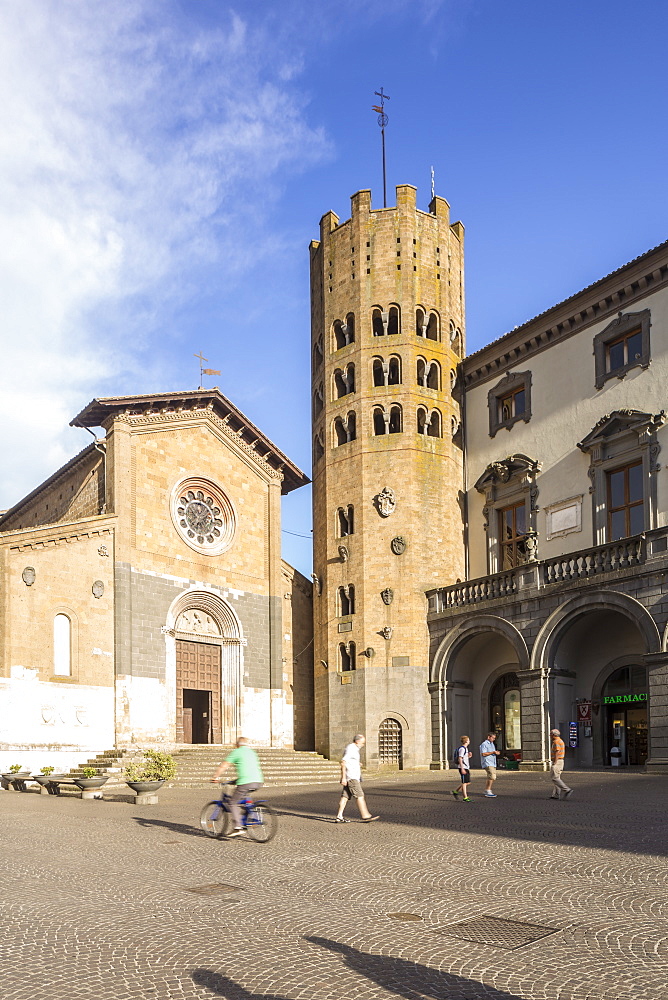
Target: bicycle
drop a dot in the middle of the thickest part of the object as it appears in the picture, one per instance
(257, 818)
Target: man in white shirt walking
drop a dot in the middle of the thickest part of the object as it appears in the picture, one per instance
(351, 779)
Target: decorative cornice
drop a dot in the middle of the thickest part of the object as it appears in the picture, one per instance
(53, 539)
(206, 413)
(598, 302)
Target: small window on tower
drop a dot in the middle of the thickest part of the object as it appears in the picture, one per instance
(345, 521)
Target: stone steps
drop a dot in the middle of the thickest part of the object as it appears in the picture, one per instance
(196, 764)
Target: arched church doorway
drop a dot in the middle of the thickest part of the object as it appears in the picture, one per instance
(505, 713)
(207, 690)
(198, 695)
(624, 702)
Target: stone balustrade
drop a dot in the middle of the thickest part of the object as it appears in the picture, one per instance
(615, 557)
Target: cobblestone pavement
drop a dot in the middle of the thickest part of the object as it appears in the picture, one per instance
(97, 902)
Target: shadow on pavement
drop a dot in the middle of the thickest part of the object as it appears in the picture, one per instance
(190, 831)
(395, 975)
(606, 812)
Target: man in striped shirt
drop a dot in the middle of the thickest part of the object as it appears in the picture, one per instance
(558, 755)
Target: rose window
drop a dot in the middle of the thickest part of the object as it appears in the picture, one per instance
(203, 515)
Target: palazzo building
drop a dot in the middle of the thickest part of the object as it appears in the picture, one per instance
(490, 532)
(144, 599)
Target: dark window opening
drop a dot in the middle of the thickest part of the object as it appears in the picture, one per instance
(393, 321)
(346, 521)
(346, 656)
(378, 323)
(344, 381)
(379, 423)
(512, 405)
(420, 322)
(346, 600)
(395, 420)
(344, 332)
(386, 372)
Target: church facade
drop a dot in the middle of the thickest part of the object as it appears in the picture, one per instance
(145, 601)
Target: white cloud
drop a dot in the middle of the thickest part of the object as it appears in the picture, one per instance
(134, 146)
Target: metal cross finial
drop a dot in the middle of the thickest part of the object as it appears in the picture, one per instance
(382, 121)
(202, 359)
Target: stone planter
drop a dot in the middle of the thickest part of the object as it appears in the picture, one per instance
(50, 782)
(46, 783)
(91, 787)
(146, 791)
(17, 779)
(86, 783)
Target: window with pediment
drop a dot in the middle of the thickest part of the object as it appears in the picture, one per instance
(510, 490)
(623, 448)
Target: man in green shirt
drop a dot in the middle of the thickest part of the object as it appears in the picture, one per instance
(249, 778)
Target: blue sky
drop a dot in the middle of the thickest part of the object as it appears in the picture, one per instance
(164, 164)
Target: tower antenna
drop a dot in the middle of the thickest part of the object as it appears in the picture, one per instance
(433, 192)
(382, 121)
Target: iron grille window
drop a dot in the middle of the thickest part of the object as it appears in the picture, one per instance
(390, 742)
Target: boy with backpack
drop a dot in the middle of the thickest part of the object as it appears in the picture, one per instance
(462, 755)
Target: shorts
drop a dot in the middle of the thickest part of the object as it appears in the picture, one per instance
(465, 777)
(491, 773)
(353, 789)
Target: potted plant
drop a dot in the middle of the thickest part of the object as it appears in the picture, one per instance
(151, 773)
(91, 779)
(17, 777)
(44, 777)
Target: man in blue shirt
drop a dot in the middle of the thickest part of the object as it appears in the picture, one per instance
(488, 755)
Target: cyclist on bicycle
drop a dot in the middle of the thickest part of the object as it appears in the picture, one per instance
(249, 778)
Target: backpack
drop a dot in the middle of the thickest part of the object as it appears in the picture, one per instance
(455, 756)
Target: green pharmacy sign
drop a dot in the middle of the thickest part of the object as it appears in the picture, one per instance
(624, 699)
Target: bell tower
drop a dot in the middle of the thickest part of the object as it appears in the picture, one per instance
(387, 317)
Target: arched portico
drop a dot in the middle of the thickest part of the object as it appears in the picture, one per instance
(468, 662)
(582, 644)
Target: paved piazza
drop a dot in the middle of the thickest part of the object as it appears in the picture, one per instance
(96, 899)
